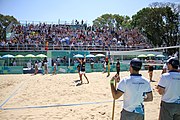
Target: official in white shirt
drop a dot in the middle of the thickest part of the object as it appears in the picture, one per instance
(136, 90)
(169, 88)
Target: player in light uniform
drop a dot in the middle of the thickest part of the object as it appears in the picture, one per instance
(169, 88)
(136, 89)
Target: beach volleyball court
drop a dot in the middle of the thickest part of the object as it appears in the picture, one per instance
(51, 97)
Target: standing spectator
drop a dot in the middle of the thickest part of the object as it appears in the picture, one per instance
(14, 63)
(64, 59)
(104, 66)
(82, 22)
(58, 61)
(169, 88)
(29, 64)
(92, 63)
(36, 68)
(136, 89)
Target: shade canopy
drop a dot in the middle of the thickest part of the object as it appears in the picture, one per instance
(150, 55)
(30, 55)
(41, 55)
(19, 56)
(90, 56)
(78, 56)
(8, 56)
(100, 55)
(161, 56)
(141, 56)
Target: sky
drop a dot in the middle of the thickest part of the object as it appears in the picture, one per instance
(68, 10)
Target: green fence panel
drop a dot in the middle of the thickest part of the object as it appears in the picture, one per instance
(11, 69)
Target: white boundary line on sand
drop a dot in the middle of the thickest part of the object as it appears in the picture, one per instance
(11, 95)
(57, 105)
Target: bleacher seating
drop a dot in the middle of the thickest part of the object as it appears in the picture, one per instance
(41, 37)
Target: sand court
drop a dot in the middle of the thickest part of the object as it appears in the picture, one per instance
(56, 97)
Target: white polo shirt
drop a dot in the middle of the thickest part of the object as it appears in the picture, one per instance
(134, 88)
(171, 83)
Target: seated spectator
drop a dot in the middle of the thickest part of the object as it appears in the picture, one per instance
(37, 36)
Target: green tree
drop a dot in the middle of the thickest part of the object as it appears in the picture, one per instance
(112, 21)
(5, 20)
(159, 23)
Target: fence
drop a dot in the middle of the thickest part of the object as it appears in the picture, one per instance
(27, 47)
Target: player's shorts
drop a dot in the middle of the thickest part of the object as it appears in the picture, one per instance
(82, 72)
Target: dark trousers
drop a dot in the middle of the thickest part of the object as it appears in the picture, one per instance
(125, 115)
(169, 111)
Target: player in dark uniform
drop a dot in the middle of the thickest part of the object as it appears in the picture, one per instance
(150, 71)
(82, 69)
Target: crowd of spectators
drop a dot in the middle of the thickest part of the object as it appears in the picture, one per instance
(51, 36)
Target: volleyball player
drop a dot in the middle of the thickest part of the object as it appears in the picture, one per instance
(82, 69)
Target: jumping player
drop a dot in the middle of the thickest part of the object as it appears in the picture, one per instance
(82, 69)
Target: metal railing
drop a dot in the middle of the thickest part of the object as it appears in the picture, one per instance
(25, 47)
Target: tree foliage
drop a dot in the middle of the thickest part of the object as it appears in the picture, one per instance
(5, 20)
(112, 21)
(160, 23)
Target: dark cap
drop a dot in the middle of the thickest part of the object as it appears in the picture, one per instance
(136, 64)
(173, 61)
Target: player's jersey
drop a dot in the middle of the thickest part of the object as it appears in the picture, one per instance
(83, 66)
